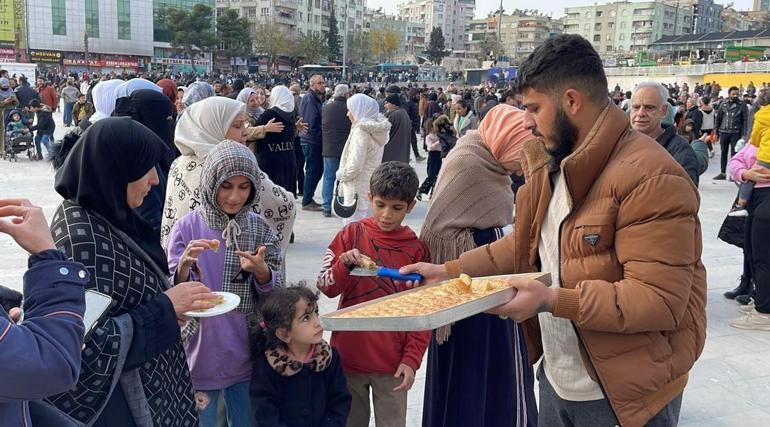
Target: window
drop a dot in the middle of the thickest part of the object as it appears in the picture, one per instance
(92, 18)
(622, 36)
(124, 20)
(597, 37)
(59, 18)
(598, 13)
(608, 48)
(249, 12)
(265, 11)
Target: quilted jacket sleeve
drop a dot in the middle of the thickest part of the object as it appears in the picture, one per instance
(658, 243)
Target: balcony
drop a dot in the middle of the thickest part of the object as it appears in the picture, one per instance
(288, 4)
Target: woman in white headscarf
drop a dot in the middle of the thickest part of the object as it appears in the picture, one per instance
(197, 91)
(104, 99)
(251, 97)
(275, 152)
(362, 153)
(123, 93)
(204, 125)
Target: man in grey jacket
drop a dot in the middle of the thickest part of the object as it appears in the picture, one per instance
(335, 128)
(69, 95)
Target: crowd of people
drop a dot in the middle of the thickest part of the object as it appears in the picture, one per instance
(173, 190)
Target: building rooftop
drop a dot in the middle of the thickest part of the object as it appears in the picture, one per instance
(725, 36)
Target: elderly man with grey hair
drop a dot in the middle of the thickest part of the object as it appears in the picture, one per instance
(648, 108)
(335, 128)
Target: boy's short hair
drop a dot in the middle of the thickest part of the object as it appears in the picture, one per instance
(394, 180)
(34, 103)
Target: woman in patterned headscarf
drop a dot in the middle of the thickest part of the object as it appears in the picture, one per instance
(133, 370)
(202, 126)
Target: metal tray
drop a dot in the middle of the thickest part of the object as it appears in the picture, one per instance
(425, 322)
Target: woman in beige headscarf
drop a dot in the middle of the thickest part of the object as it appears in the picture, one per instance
(473, 206)
(203, 125)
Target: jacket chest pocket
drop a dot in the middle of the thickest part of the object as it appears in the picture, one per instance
(593, 235)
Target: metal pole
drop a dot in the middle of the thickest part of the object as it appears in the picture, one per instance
(499, 31)
(345, 41)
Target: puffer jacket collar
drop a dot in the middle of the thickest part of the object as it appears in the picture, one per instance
(588, 160)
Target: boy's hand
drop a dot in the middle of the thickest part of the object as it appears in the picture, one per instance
(352, 258)
(255, 264)
(408, 374)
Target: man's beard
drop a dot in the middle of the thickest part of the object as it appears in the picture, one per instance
(564, 136)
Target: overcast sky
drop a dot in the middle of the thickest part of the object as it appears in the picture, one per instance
(556, 7)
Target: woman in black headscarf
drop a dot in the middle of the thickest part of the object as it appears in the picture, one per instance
(275, 153)
(154, 110)
(133, 370)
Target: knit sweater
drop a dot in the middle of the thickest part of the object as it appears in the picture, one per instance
(469, 195)
(373, 352)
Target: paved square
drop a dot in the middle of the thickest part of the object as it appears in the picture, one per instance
(728, 386)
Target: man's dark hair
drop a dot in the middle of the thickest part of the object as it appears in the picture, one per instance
(394, 181)
(732, 88)
(564, 61)
(464, 103)
(510, 93)
(34, 103)
(705, 100)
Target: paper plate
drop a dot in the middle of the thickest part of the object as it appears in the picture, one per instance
(231, 301)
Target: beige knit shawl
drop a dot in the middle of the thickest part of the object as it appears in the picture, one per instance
(473, 192)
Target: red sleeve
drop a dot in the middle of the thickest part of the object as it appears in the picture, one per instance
(335, 277)
(417, 342)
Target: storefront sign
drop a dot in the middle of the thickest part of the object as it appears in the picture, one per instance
(82, 62)
(179, 61)
(121, 63)
(7, 20)
(7, 53)
(45, 56)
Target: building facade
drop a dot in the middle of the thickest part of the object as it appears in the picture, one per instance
(117, 35)
(164, 57)
(520, 34)
(626, 27)
(706, 14)
(761, 6)
(412, 34)
(452, 16)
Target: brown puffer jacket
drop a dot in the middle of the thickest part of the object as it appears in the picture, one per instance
(633, 282)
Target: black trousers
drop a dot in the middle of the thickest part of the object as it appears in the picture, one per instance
(757, 246)
(434, 167)
(414, 145)
(727, 142)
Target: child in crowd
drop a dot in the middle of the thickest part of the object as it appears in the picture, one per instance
(297, 379)
(760, 138)
(16, 126)
(45, 127)
(688, 131)
(83, 110)
(383, 363)
(439, 141)
(248, 264)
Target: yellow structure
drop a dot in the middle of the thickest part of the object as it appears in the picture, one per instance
(737, 79)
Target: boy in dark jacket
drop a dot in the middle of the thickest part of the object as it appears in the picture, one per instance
(83, 110)
(40, 356)
(45, 127)
(381, 363)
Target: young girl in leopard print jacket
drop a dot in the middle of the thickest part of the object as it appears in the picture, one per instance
(297, 379)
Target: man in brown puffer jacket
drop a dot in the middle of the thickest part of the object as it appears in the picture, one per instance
(614, 219)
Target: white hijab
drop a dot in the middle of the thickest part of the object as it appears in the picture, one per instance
(281, 97)
(245, 94)
(131, 86)
(104, 99)
(205, 123)
(363, 108)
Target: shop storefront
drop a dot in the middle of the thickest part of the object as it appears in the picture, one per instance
(102, 63)
(48, 61)
(180, 65)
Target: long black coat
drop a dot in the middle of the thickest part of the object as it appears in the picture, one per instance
(275, 153)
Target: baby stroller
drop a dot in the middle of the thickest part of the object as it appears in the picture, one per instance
(15, 146)
(18, 144)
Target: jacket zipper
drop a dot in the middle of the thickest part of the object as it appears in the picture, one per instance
(581, 342)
